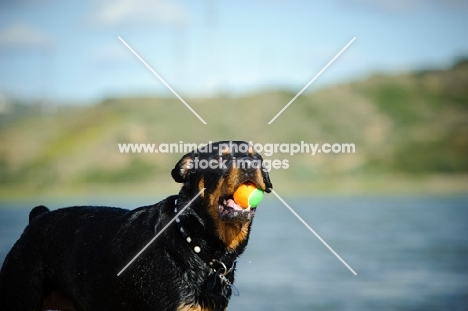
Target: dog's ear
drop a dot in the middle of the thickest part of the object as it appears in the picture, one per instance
(183, 168)
(266, 180)
(265, 175)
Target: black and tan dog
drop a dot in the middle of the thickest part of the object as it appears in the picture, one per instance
(68, 259)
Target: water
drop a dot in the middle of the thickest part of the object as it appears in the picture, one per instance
(409, 254)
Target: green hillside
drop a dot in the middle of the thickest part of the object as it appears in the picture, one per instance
(410, 132)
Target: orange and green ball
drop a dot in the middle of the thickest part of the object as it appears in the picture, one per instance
(248, 195)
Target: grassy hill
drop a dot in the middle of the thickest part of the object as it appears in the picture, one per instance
(410, 132)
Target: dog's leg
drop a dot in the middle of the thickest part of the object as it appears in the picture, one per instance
(21, 281)
(56, 302)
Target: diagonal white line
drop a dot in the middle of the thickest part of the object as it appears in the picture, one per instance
(313, 231)
(159, 233)
(161, 79)
(313, 79)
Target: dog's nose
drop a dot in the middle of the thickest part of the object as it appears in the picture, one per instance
(248, 167)
(247, 164)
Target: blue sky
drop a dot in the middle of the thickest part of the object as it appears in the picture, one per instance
(69, 50)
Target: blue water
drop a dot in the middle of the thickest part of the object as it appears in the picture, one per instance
(409, 253)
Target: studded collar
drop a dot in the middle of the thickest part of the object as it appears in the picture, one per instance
(218, 269)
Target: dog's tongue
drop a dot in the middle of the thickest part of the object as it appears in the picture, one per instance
(232, 204)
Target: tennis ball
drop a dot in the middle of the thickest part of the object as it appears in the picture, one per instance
(248, 195)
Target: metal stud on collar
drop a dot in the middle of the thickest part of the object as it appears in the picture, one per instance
(216, 273)
(197, 249)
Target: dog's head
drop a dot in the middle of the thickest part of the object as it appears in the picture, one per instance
(221, 168)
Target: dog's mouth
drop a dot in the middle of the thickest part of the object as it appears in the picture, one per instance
(229, 210)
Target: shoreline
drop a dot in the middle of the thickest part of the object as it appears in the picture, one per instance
(346, 186)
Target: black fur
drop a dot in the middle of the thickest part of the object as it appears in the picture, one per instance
(72, 255)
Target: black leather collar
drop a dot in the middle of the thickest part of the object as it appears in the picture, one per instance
(219, 269)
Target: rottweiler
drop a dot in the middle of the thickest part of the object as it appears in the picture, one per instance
(70, 258)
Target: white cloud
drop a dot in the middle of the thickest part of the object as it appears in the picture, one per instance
(406, 6)
(138, 12)
(21, 35)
